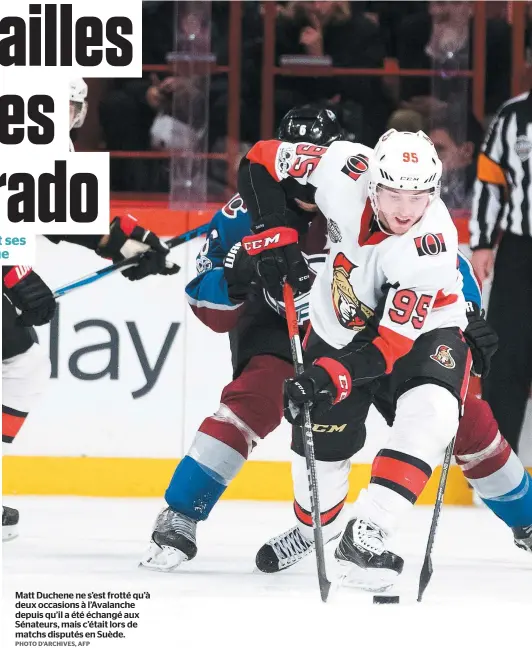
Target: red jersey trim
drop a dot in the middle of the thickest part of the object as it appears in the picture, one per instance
(392, 345)
(365, 236)
(444, 300)
(265, 153)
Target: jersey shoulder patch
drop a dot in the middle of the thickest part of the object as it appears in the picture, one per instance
(355, 166)
(430, 244)
(233, 208)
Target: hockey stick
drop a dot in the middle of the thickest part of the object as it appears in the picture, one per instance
(308, 443)
(426, 571)
(126, 263)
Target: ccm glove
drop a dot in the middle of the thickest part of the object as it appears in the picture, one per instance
(321, 386)
(481, 338)
(239, 272)
(277, 259)
(28, 292)
(127, 238)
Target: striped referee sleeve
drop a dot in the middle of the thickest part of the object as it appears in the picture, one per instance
(490, 185)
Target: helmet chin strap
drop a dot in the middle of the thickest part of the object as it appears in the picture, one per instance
(379, 223)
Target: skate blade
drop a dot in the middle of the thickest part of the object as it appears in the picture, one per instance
(9, 533)
(522, 545)
(163, 559)
(370, 580)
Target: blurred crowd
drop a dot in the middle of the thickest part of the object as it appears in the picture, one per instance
(183, 112)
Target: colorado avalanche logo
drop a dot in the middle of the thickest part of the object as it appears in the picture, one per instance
(430, 244)
(443, 356)
(350, 311)
(235, 205)
(355, 166)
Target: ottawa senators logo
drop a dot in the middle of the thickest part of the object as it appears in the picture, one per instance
(430, 244)
(355, 166)
(350, 311)
(443, 356)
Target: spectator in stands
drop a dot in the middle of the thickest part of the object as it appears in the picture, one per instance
(157, 111)
(458, 144)
(318, 29)
(388, 15)
(443, 39)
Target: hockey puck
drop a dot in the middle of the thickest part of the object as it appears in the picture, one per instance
(384, 600)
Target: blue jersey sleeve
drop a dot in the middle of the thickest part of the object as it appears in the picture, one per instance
(207, 293)
(471, 288)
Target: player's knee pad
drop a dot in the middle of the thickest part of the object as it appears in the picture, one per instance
(426, 420)
(477, 429)
(25, 378)
(333, 480)
(256, 395)
(250, 406)
(481, 451)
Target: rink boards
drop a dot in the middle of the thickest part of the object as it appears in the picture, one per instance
(134, 374)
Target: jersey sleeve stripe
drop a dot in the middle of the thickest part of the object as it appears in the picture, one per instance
(265, 153)
(203, 303)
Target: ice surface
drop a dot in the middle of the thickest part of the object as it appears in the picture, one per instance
(481, 587)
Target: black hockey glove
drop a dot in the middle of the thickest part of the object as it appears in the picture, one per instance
(127, 238)
(277, 258)
(482, 340)
(323, 385)
(239, 272)
(28, 292)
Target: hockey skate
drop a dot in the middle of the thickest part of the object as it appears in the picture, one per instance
(173, 541)
(362, 554)
(286, 550)
(523, 537)
(9, 523)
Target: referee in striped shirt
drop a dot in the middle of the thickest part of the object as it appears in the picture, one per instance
(501, 215)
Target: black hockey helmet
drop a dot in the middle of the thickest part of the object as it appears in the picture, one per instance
(313, 124)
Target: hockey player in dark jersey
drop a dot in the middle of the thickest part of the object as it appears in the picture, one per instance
(250, 406)
(27, 302)
(226, 297)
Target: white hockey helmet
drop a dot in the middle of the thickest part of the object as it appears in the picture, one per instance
(78, 98)
(403, 160)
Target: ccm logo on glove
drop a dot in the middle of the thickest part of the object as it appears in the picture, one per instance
(272, 238)
(338, 375)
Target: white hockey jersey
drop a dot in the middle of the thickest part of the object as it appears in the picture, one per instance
(415, 272)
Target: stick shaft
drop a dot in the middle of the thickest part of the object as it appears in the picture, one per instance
(126, 263)
(308, 444)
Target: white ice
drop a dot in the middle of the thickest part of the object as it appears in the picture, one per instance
(481, 587)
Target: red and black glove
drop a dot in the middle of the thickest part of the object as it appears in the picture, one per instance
(28, 292)
(321, 386)
(277, 259)
(126, 239)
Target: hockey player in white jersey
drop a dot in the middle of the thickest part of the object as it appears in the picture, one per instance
(387, 315)
(78, 104)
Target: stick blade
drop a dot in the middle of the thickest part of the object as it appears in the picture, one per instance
(325, 588)
(424, 577)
